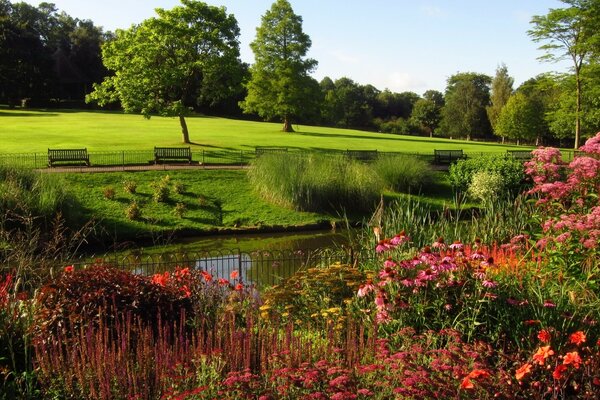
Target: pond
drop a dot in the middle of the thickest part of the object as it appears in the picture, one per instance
(262, 259)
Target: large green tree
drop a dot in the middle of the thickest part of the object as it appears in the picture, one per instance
(567, 33)
(466, 98)
(502, 88)
(168, 64)
(522, 118)
(427, 114)
(280, 85)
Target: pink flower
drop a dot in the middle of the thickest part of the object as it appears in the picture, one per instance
(456, 245)
(592, 145)
(399, 239)
(489, 284)
(365, 289)
(389, 263)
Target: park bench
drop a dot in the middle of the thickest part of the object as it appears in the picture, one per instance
(68, 155)
(447, 156)
(521, 155)
(172, 154)
(362, 155)
(260, 150)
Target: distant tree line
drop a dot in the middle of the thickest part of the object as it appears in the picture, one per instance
(187, 59)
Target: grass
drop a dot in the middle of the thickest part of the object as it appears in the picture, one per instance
(213, 201)
(27, 131)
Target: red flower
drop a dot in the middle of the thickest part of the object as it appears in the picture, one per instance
(160, 279)
(234, 274)
(479, 373)
(577, 338)
(69, 268)
(524, 370)
(573, 359)
(466, 383)
(544, 336)
(542, 353)
(223, 282)
(207, 276)
(239, 286)
(531, 322)
(186, 291)
(558, 371)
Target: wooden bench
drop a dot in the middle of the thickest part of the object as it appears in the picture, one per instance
(447, 156)
(260, 150)
(362, 155)
(68, 155)
(521, 155)
(172, 153)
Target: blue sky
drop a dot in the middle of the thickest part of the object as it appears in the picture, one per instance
(401, 45)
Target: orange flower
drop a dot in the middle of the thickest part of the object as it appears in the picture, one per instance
(234, 274)
(558, 371)
(160, 279)
(479, 373)
(544, 336)
(542, 353)
(573, 359)
(524, 370)
(577, 338)
(69, 268)
(207, 277)
(466, 383)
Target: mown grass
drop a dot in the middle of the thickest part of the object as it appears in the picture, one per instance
(213, 201)
(26, 131)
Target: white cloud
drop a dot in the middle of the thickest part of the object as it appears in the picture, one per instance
(402, 81)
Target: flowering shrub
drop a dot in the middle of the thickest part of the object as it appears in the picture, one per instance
(485, 186)
(508, 169)
(558, 372)
(569, 212)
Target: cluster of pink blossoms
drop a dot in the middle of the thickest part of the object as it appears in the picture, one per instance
(436, 266)
(568, 195)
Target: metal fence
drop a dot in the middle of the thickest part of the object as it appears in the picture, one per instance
(261, 268)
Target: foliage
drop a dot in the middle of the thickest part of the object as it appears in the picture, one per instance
(108, 192)
(428, 114)
(316, 182)
(569, 32)
(406, 174)
(130, 186)
(133, 212)
(511, 171)
(485, 186)
(318, 293)
(521, 118)
(464, 113)
(280, 84)
(502, 89)
(169, 63)
(347, 104)
(180, 210)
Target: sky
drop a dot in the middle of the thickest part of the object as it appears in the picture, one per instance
(400, 45)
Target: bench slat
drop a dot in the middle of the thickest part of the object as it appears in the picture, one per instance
(68, 155)
(172, 153)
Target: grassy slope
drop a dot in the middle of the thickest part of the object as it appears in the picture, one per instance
(227, 202)
(36, 131)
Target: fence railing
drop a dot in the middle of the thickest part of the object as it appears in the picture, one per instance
(261, 267)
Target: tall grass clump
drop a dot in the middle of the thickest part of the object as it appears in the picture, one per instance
(403, 173)
(316, 182)
(25, 191)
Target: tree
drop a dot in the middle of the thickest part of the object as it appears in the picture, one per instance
(280, 85)
(165, 65)
(522, 118)
(464, 113)
(567, 34)
(427, 114)
(502, 88)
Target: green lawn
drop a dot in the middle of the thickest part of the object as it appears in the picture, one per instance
(26, 131)
(214, 201)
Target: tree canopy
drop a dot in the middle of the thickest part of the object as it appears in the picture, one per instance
(502, 88)
(169, 63)
(280, 84)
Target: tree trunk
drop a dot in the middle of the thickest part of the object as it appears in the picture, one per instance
(287, 125)
(184, 130)
(578, 111)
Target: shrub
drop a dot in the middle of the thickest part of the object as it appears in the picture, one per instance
(316, 182)
(510, 170)
(178, 187)
(485, 186)
(108, 192)
(133, 212)
(180, 210)
(130, 186)
(403, 173)
(161, 193)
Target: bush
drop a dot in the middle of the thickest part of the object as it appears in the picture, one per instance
(108, 192)
(403, 173)
(316, 182)
(179, 210)
(178, 187)
(485, 186)
(133, 212)
(161, 193)
(510, 170)
(130, 186)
